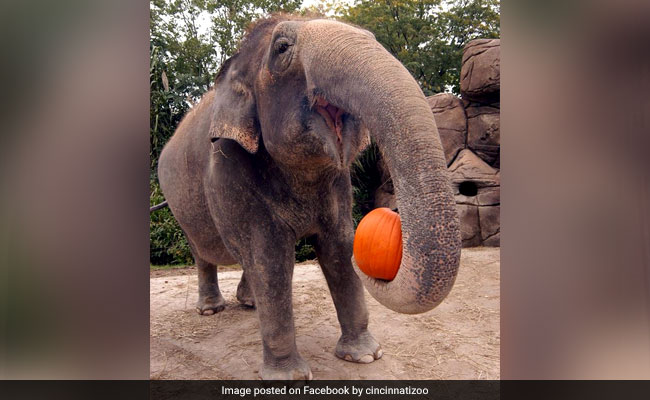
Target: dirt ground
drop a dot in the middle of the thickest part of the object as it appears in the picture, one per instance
(457, 340)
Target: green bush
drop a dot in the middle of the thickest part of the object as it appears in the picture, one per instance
(167, 243)
(305, 249)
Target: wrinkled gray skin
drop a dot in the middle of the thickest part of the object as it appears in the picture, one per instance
(260, 162)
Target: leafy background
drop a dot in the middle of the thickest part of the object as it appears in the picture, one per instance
(190, 39)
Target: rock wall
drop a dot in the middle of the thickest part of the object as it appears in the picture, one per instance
(477, 191)
(480, 71)
(469, 128)
(474, 172)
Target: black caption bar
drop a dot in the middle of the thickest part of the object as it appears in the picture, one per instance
(384, 390)
(441, 390)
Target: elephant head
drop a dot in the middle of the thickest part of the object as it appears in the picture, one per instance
(307, 92)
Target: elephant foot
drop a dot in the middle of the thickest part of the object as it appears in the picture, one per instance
(210, 305)
(296, 370)
(362, 349)
(246, 301)
(245, 296)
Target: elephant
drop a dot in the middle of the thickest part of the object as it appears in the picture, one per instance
(264, 159)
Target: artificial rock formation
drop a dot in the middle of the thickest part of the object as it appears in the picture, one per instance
(451, 121)
(480, 70)
(477, 191)
(483, 132)
(476, 168)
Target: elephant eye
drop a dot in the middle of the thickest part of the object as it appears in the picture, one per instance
(280, 54)
(282, 45)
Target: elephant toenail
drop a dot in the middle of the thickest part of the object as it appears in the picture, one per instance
(380, 353)
(347, 357)
(366, 359)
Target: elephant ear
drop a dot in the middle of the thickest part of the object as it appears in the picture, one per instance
(234, 111)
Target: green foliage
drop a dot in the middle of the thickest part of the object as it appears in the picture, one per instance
(167, 243)
(305, 249)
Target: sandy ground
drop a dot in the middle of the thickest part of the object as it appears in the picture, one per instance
(457, 340)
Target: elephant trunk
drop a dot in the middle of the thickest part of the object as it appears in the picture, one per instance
(354, 72)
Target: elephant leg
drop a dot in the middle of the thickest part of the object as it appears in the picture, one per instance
(210, 299)
(245, 293)
(269, 273)
(356, 343)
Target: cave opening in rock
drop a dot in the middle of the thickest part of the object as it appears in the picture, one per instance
(468, 188)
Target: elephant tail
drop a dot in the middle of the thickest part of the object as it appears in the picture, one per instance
(158, 206)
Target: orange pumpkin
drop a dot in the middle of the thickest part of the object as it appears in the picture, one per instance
(378, 244)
